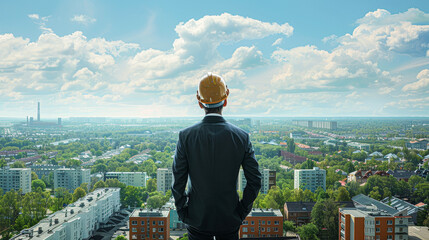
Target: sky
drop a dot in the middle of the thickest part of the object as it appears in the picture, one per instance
(279, 58)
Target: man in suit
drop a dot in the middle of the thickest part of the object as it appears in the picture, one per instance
(208, 158)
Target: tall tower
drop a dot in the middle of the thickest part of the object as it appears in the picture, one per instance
(38, 111)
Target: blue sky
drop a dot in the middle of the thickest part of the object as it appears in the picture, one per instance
(279, 58)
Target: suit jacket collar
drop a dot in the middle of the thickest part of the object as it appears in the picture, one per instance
(213, 119)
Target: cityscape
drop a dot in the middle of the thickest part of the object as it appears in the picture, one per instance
(330, 96)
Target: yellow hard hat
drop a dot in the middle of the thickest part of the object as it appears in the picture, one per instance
(212, 91)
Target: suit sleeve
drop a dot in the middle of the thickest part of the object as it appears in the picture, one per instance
(253, 178)
(180, 174)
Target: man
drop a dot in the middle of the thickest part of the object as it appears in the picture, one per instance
(208, 158)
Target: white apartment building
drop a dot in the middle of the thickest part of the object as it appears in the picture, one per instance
(77, 221)
(136, 179)
(71, 178)
(268, 179)
(164, 179)
(310, 179)
(15, 178)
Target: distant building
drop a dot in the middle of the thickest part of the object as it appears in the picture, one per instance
(149, 224)
(70, 178)
(136, 179)
(268, 179)
(78, 220)
(316, 124)
(300, 212)
(361, 146)
(403, 205)
(418, 144)
(164, 179)
(44, 170)
(370, 223)
(401, 174)
(360, 176)
(292, 158)
(310, 179)
(15, 153)
(175, 223)
(262, 223)
(15, 178)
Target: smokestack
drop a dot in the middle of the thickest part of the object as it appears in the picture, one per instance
(38, 111)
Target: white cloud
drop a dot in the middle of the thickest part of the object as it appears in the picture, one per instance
(278, 41)
(386, 90)
(329, 38)
(41, 21)
(83, 19)
(33, 16)
(421, 84)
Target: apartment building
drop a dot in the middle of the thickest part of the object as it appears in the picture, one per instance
(71, 178)
(310, 179)
(15, 178)
(136, 179)
(45, 169)
(78, 220)
(262, 223)
(150, 224)
(164, 179)
(371, 224)
(316, 124)
(268, 179)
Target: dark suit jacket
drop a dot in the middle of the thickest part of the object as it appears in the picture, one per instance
(208, 157)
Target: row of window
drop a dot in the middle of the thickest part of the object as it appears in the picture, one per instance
(143, 229)
(252, 229)
(245, 222)
(155, 236)
(160, 223)
(389, 229)
(389, 222)
(263, 235)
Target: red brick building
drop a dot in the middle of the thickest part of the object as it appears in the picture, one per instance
(292, 158)
(262, 223)
(149, 224)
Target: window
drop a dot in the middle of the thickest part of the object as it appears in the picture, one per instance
(134, 222)
(263, 222)
(153, 222)
(263, 229)
(134, 229)
(142, 230)
(269, 222)
(377, 222)
(389, 237)
(245, 229)
(161, 223)
(252, 222)
(389, 222)
(153, 229)
(377, 237)
(377, 229)
(244, 235)
(142, 223)
(389, 229)
(252, 229)
(276, 222)
(160, 229)
(245, 222)
(276, 229)
(268, 229)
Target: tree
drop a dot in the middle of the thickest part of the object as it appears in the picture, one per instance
(35, 184)
(121, 237)
(325, 215)
(34, 176)
(349, 167)
(78, 193)
(151, 185)
(132, 196)
(375, 193)
(155, 201)
(289, 226)
(308, 164)
(291, 145)
(18, 164)
(99, 184)
(62, 198)
(308, 232)
(343, 195)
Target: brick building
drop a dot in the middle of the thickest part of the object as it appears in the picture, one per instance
(262, 223)
(371, 224)
(292, 158)
(149, 224)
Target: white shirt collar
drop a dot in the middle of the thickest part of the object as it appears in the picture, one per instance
(213, 114)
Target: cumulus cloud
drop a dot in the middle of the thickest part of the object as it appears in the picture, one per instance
(83, 19)
(421, 84)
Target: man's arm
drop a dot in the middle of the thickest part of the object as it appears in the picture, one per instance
(253, 178)
(180, 173)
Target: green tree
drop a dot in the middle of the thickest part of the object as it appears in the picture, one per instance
(291, 145)
(34, 176)
(375, 193)
(99, 184)
(155, 201)
(289, 226)
(78, 193)
(18, 164)
(325, 215)
(35, 184)
(308, 232)
(342, 195)
(132, 196)
(151, 185)
(62, 197)
(121, 237)
(349, 167)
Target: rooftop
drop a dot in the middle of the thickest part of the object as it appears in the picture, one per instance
(364, 200)
(401, 205)
(150, 213)
(260, 212)
(364, 212)
(55, 220)
(308, 206)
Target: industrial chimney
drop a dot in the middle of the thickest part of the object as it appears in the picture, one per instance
(38, 111)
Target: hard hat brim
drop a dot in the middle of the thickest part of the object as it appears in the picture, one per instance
(214, 105)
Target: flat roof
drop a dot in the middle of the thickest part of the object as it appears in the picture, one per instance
(259, 212)
(163, 212)
(77, 207)
(364, 212)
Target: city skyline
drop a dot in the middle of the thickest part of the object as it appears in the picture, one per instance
(90, 59)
